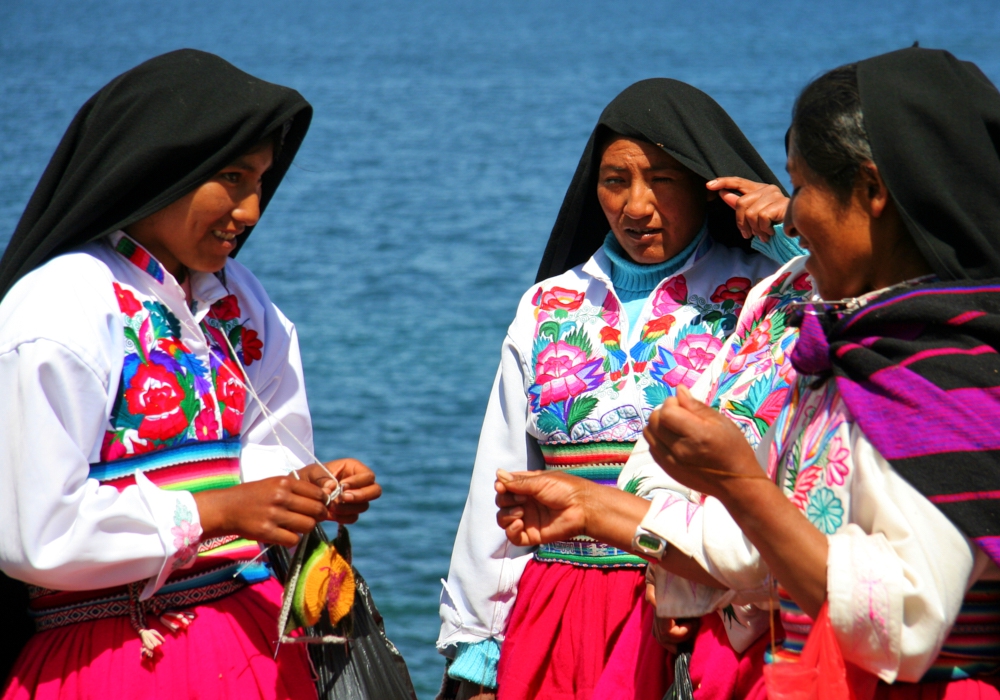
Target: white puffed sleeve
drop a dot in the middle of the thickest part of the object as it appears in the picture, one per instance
(896, 576)
(482, 581)
(59, 528)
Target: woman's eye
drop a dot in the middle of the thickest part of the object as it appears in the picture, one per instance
(230, 177)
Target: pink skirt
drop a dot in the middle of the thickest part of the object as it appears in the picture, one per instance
(227, 652)
(565, 628)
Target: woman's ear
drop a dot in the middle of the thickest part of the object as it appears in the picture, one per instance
(872, 189)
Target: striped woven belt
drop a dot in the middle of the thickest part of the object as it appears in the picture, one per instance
(600, 462)
(223, 566)
(972, 648)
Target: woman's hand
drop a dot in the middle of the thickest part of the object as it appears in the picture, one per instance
(275, 510)
(359, 488)
(699, 446)
(669, 631)
(540, 507)
(758, 206)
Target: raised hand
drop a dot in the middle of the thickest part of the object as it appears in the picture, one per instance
(541, 507)
(698, 446)
(359, 488)
(275, 510)
(758, 206)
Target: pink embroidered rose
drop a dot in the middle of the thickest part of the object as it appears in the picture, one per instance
(559, 298)
(186, 537)
(155, 394)
(670, 296)
(111, 447)
(206, 427)
(251, 345)
(232, 395)
(693, 354)
(735, 289)
(836, 463)
(758, 340)
(611, 310)
(563, 371)
(127, 302)
(771, 407)
(226, 309)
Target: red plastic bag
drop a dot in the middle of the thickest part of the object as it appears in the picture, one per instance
(821, 673)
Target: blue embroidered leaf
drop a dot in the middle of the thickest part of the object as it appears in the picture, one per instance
(657, 394)
(125, 420)
(580, 409)
(161, 358)
(550, 423)
(165, 324)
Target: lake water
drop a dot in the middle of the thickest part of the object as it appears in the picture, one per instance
(444, 137)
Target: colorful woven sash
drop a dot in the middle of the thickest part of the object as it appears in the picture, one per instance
(600, 462)
(971, 649)
(221, 567)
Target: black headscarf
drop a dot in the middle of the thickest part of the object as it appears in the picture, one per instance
(934, 126)
(146, 139)
(684, 122)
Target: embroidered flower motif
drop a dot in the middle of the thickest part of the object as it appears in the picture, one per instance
(670, 296)
(563, 371)
(226, 309)
(759, 340)
(610, 310)
(251, 346)
(836, 465)
(802, 283)
(610, 335)
(771, 407)
(127, 302)
(111, 447)
(693, 355)
(734, 289)
(825, 511)
(156, 395)
(206, 427)
(232, 396)
(559, 298)
(186, 534)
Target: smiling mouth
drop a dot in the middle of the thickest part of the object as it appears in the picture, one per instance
(224, 236)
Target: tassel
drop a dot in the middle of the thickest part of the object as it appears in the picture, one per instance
(176, 621)
(150, 640)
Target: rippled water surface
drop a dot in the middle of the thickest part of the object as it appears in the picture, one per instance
(444, 137)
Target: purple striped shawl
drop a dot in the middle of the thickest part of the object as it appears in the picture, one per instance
(920, 371)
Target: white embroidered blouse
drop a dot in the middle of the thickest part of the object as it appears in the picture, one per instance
(61, 356)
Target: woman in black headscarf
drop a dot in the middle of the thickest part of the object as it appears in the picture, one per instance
(617, 321)
(145, 375)
(883, 525)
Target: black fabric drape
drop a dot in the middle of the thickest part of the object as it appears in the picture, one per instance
(684, 122)
(144, 140)
(934, 126)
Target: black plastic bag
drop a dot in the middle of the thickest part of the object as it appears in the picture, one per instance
(368, 667)
(681, 688)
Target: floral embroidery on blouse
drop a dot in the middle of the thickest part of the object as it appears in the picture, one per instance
(167, 397)
(756, 377)
(187, 536)
(577, 357)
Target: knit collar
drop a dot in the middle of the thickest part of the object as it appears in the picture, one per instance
(630, 276)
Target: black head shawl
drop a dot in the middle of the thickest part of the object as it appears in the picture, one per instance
(146, 139)
(934, 126)
(684, 122)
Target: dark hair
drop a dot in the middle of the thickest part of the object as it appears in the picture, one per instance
(829, 129)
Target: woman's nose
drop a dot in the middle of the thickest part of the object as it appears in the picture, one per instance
(247, 211)
(640, 201)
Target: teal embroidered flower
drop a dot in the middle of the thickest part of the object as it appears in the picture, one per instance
(825, 511)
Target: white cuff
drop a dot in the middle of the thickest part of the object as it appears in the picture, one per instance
(864, 582)
(176, 516)
(259, 462)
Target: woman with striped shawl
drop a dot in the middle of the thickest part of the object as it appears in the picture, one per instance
(882, 481)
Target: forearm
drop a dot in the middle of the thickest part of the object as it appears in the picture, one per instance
(793, 548)
(613, 518)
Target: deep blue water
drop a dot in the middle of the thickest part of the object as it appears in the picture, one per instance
(444, 137)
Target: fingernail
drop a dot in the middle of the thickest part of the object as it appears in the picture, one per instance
(504, 475)
(712, 182)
